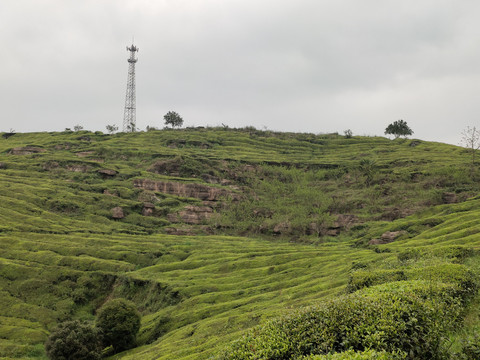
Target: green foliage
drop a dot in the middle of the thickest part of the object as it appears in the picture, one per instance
(118, 322)
(354, 355)
(288, 204)
(448, 273)
(112, 129)
(368, 169)
(470, 348)
(173, 119)
(410, 317)
(62, 256)
(365, 278)
(348, 134)
(73, 340)
(398, 128)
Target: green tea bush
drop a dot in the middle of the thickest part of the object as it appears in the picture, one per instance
(73, 340)
(365, 278)
(406, 316)
(459, 253)
(118, 321)
(470, 348)
(456, 274)
(362, 355)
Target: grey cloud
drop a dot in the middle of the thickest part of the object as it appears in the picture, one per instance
(305, 65)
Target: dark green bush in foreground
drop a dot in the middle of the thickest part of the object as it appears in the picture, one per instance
(470, 348)
(444, 272)
(405, 316)
(352, 355)
(73, 340)
(118, 321)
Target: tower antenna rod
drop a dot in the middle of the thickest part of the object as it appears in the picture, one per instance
(129, 114)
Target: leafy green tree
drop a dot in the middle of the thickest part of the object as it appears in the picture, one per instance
(398, 128)
(173, 119)
(118, 321)
(73, 340)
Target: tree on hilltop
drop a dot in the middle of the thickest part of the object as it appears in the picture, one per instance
(112, 128)
(471, 140)
(398, 128)
(173, 119)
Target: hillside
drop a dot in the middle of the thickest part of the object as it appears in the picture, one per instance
(212, 232)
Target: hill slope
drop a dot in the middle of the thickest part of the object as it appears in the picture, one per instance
(213, 231)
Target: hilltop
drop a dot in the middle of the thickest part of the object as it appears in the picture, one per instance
(213, 231)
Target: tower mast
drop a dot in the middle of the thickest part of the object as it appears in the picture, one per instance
(129, 114)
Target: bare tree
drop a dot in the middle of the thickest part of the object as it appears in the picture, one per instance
(471, 140)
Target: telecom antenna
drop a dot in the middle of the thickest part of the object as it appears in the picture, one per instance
(129, 114)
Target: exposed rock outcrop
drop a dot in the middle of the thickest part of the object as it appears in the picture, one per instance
(107, 173)
(167, 167)
(395, 213)
(66, 146)
(192, 215)
(198, 191)
(77, 168)
(387, 237)
(148, 209)
(50, 165)
(117, 213)
(343, 222)
(282, 228)
(27, 150)
(449, 198)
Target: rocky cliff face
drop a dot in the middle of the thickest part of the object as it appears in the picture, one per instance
(198, 191)
(192, 215)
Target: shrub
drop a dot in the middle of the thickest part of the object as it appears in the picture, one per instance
(118, 321)
(404, 316)
(73, 340)
(353, 355)
(365, 278)
(447, 273)
(456, 274)
(470, 348)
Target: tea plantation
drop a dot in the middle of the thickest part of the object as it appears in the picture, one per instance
(242, 244)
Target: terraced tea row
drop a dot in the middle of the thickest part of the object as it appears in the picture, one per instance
(219, 279)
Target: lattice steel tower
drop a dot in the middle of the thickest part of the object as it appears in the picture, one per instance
(129, 114)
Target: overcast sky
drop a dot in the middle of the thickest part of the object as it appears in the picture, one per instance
(293, 65)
